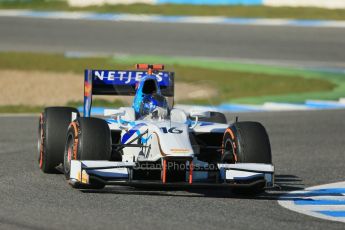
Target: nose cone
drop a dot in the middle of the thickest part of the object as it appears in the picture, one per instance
(174, 140)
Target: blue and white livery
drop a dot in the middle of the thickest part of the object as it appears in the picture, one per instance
(154, 143)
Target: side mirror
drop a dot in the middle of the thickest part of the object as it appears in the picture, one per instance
(199, 114)
(114, 112)
(202, 114)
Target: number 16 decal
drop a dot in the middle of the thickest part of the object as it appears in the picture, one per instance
(171, 130)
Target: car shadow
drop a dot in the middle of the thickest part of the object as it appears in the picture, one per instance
(284, 184)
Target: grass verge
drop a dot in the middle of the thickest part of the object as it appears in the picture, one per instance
(233, 81)
(193, 10)
(20, 109)
(75, 104)
(337, 80)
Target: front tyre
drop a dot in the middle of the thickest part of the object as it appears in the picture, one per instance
(87, 139)
(247, 142)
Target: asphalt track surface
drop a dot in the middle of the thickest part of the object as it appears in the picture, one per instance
(283, 45)
(308, 149)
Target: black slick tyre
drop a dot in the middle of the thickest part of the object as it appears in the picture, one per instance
(247, 142)
(87, 139)
(52, 128)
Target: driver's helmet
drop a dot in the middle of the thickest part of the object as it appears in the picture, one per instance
(154, 106)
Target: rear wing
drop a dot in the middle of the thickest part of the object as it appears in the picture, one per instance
(122, 83)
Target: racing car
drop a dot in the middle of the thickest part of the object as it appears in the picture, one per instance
(152, 142)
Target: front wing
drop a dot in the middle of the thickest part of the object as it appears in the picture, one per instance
(120, 173)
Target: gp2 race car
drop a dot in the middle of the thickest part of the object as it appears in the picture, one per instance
(152, 142)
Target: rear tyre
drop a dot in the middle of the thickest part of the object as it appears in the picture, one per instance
(215, 117)
(87, 139)
(247, 142)
(52, 128)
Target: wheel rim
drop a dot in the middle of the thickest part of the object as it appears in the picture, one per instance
(229, 149)
(228, 146)
(68, 156)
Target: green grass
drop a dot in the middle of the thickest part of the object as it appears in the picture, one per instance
(233, 81)
(236, 84)
(337, 79)
(195, 10)
(75, 104)
(20, 109)
(54, 62)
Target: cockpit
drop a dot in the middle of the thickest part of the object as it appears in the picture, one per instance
(154, 106)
